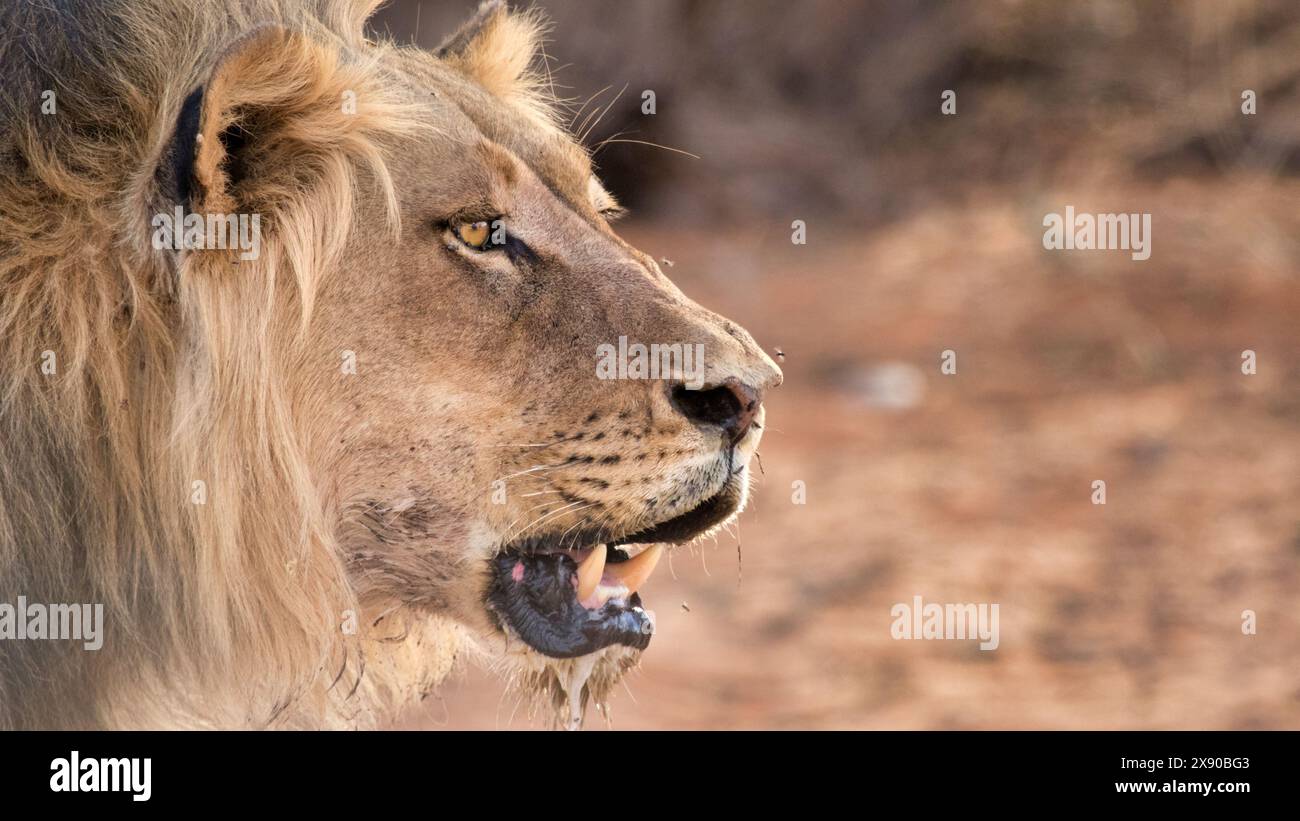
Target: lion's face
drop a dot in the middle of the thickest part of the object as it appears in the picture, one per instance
(480, 460)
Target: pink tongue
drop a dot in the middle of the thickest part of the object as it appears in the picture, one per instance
(609, 587)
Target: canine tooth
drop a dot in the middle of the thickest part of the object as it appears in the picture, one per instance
(590, 571)
(633, 572)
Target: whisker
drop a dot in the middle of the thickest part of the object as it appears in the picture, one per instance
(569, 508)
(604, 519)
(546, 66)
(587, 506)
(566, 533)
(614, 136)
(510, 526)
(740, 561)
(657, 145)
(543, 504)
(540, 444)
(588, 101)
(587, 133)
(535, 468)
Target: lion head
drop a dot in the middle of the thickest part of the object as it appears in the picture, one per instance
(436, 406)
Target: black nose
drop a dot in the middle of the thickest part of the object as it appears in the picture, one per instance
(730, 406)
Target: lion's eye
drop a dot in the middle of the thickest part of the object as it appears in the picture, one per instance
(477, 235)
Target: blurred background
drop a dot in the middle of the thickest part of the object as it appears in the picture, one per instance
(924, 234)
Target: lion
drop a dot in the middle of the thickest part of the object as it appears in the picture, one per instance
(306, 477)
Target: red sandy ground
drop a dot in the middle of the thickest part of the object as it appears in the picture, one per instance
(1071, 367)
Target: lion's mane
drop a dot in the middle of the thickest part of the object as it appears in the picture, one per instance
(127, 379)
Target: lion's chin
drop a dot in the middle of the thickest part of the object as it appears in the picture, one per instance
(563, 688)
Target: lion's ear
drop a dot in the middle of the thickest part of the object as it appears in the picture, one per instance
(240, 135)
(495, 48)
(458, 43)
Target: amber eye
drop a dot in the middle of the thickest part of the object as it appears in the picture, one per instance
(476, 235)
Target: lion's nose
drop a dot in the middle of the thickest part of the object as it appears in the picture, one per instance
(731, 406)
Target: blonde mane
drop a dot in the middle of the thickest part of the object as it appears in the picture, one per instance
(127, 380)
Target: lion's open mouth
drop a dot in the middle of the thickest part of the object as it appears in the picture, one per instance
(567, 602)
